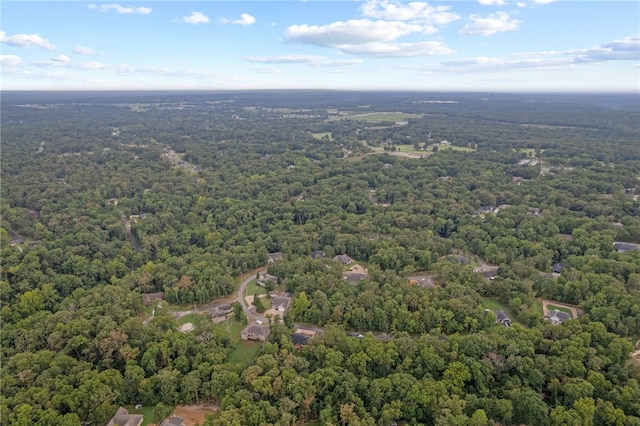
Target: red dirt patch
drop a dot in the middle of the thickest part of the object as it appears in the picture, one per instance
(194, 414)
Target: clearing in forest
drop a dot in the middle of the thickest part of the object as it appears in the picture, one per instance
(548, 305)
(194, 414)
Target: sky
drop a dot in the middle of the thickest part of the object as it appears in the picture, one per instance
(479, 45)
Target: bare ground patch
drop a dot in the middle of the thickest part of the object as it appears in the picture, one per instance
(194, 414)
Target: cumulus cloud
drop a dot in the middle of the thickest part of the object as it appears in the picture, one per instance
(11, 61)
(123, 10)
(492, 2)
(85, 51)
(320, 61)
(26, 40)
(352, 32)
(196, 18)
(61, 58)
(626, 49)
(399, 50)
(244, 20)
(417, 12)
(488, 25)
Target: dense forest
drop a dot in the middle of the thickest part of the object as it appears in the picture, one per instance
(108, 196)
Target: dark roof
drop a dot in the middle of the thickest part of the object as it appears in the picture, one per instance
(557, 268)
(123, 418)
(562, 316)
(502, 315)
(490, 274)
(174, 421)
(354, 277)
(318, 253)
(300, 338)
(148, 298)
(343, 258)
(625, 246)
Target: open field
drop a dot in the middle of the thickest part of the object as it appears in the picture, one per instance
(253, 288)
(245, 351)
(559, 308)
(194, 414)
(452, 148)
(320, 135)
(147, 412)
(496, 305)
(378, 117)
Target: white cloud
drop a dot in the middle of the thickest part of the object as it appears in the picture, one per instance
(286, 59)
(494, 23)
(11, 61)
(320, 61)
(399, 50)
(245, 20)
(85, 51)
(123, 10)
(543, 1)
(492, 2)
(196, 18)
(352, 32)
(416, 12)
(61, 58)
(627, 49)
(26, 40)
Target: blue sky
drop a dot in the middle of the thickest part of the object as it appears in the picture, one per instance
(481, 45)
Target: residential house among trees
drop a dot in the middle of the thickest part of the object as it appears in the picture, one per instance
(255, 331)
(123, 418)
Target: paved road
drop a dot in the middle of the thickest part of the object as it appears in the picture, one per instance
(240, 297)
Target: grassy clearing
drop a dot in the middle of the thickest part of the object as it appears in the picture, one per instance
(320, 135)
(187, 318)
(253, 288)
(559, 308)
(496, 305)
(147, 413)
(379, 117)
(245, 351)
(453, 148)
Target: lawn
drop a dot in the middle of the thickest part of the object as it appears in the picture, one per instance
(147, 412)
(320, 135)
(253, 288)
(496, 305)
(559, 308)
(245, 351)
(187, 318)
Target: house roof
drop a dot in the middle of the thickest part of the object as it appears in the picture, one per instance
(173, 421)
(148, 298)
(257, 329)
(300, 339)
(343, 258)
(625, 246)
(281, 301)
(559, 315)
(557, 267)
(275, 256)
(318, 253)
(354, 277)
(502, 316)
(123, 418)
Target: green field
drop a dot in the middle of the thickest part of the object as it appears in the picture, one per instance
(253, 288)
(147, 412)
(496, 305)
(379, 117)
(320, 135)
(244, 351)
(453, 148)
(559, 308)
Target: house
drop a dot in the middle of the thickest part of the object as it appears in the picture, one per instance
(489, 274)
(123, 418)
(255, 331)
(557, 268)
(556, 317)
(274, 257)
(185, 328)
(533, 211)
(318, 254)
(173, 421)
(343, 258)
(148, 299)
(424, 281)
(280, 303)
(356, 274)
(623, 247)
(503, 319)
(300, 339)
(264, 278)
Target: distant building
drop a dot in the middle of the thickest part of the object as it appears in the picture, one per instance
(149, 299)
(173, 421)
(557, 317)
(263, 279)
(343, 258)
(624, 247)
(123, 418)
(185, 328)
(318, 254)
(557, 268)
(503, 319)
(255, 331)
(274, 257)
